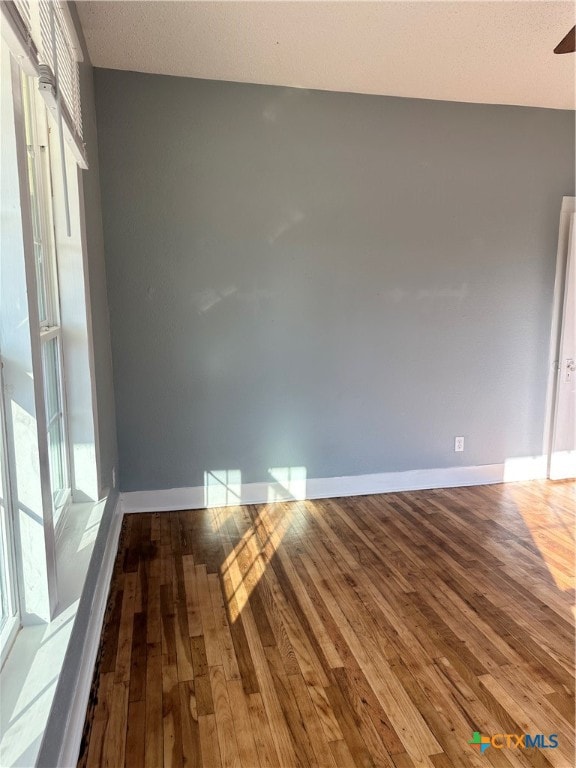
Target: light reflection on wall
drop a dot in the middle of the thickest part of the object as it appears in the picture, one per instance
(222, 487)
(290, 483)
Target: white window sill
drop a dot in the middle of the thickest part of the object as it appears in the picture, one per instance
(29, 677)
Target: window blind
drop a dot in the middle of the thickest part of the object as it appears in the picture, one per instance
(68, 74)
(23, 7)
(27, 27)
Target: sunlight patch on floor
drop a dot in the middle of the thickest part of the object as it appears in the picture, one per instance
(551, 535)
(247, 561)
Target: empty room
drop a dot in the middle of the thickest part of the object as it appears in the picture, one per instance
(288, 384)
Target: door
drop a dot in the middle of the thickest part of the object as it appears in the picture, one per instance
(563, 442)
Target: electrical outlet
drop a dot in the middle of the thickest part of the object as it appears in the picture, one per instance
(458, 444)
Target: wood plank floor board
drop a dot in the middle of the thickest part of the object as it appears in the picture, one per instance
(328, 721)
(100, 721)
(136, 733)
(375, 727)
(358, 632)
(229, 751)
(309, 717)
(191, 746)
(153, 753)
(242, 725)
(263, 741)
(210, 749)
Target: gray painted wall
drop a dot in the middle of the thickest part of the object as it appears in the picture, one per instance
(335, 281)
(107, 447)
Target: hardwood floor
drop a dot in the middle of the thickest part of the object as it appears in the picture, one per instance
(366, 631)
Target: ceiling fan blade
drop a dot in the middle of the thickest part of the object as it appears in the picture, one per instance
(568, 43)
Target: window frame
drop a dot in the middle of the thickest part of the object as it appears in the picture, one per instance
(10, 617)
(39, 126)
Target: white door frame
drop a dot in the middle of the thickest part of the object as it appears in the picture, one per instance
(566, 232)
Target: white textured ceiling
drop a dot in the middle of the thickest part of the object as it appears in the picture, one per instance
(489, 52)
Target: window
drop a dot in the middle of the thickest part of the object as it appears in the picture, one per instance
(48, 424)
(10, 318)
(46, 263)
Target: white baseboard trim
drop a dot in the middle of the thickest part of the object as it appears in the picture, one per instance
(220, 494)
(563, 465)
(71, 743)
